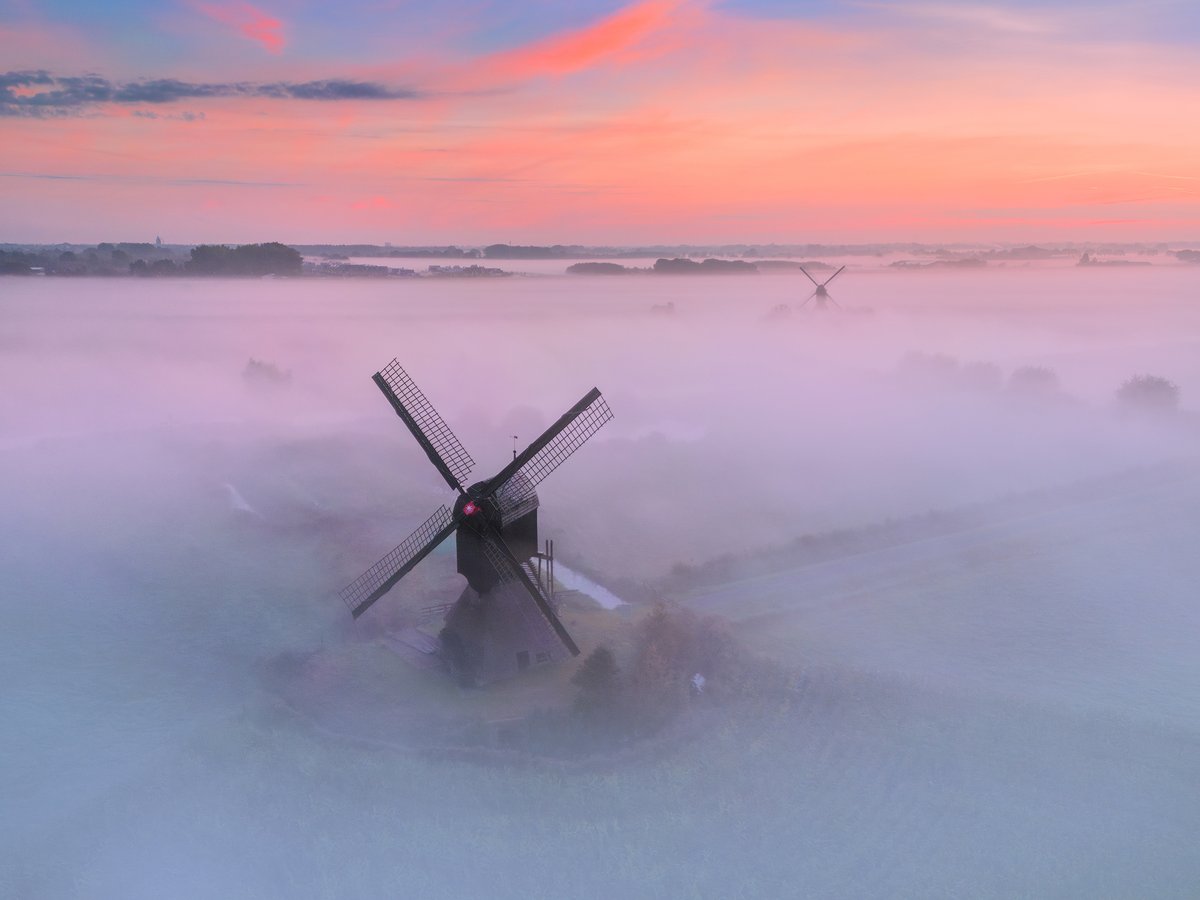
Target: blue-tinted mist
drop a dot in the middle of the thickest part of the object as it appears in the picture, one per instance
(1005, 710)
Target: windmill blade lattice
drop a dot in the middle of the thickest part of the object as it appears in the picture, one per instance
(444, 450)
(510, 570)
(556, 443)
(379, 579)
(516, 498)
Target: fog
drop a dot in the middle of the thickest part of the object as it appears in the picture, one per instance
(1008, 710)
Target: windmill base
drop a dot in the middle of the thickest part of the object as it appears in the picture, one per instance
(495, 635)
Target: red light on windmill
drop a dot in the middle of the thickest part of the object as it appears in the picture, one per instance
(470, 509)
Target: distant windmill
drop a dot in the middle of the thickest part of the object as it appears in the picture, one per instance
(504, 621)
(821, 292)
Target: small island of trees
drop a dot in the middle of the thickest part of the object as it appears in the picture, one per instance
(249, 259)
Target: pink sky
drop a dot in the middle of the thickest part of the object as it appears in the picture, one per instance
(657, 121)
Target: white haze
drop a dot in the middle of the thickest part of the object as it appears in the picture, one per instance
(167, 530)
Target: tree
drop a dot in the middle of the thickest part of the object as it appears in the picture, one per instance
(210, 259)
(672, 645)
(16, 263)
(1148, 394)
(268, 259)
(599, 683)
(249, 259)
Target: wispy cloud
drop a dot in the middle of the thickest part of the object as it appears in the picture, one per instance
(185, 116)
(577, 49)
(248, 21)
(39, 93)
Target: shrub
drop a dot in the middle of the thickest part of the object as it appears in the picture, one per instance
(671, 646)
(1148, 394)
(599, 683)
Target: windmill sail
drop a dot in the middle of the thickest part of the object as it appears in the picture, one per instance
(378, 580)
(555, 445)
(516, 498)
(821, 293)
(510, 570)
(444, 450)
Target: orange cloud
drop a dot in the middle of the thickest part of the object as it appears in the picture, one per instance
(573, 51)
(249, 21)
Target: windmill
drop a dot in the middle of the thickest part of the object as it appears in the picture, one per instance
(821, 292)
(504, 620)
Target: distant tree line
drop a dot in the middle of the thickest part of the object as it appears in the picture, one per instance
(346, 251)
(677, 266)
(602, 268)
(152, 260)
(253, 260)
(941, 371)
(102, 260)
(682, 266)
(1142, 394)
(514, 251)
